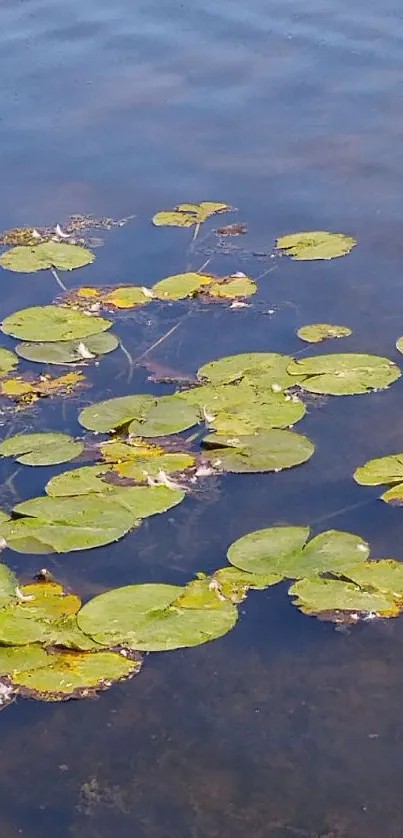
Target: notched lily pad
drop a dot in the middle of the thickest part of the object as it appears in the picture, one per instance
(149, 416)
(344, 374)
(317, 332)
(39, 257)
(272, 450)
(318, 244)
(232, 288)
(259, 369)
(68, 351)
(187, 215)
(74, 675)
(53, 322)
(340, 602)
(180, 286)
(8, 361)
(41, 449)
(380, 470)
(234, 584)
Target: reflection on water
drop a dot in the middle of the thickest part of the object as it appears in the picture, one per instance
(293, 114)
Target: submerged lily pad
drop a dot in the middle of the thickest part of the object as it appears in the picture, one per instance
(317, 332)
(68, 351)
(336, 600)
(41, 449)
(318, 244)
(272, 450)
(186, 215)
(74, 675)
(344, 374)
(262, 369)
(54, 323)
(8, 361)
(147, 617)
(66, 257)
(181, 285)
(284, 550)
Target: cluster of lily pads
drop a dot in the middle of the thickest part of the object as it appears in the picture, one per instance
(243, 408)
(54, 648)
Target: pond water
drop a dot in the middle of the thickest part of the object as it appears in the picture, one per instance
(292, 114)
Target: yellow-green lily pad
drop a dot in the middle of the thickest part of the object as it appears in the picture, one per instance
(341, 601)
(53, 322)
(187, 215)
(344, 374)
(59, 255)
(272, 450)
(180, 286)
(317, 332)
(318, 244)
(41, 449)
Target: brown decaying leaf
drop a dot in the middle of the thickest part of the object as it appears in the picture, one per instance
(26, 390)
(232, 230)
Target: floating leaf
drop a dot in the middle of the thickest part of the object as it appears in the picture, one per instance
(265, 451)
(28, 619)
(234, 584)
(394, 496)
(145, 467)
(344, 374)
(114, 451)
(333, 600)
(74, 675)
(181, 285)
(262, 369)
(8, 584)
(126, 296)
(317, 332)
(186, 215)
(282, 550)
(384, 575)
(15, 659)
(399, 344)
(68, 351)
(146, 617)
(65, 524)
(53, 322)
(66, 257)
(232, 287)
(381, 470)
(41, 449)
(8, 361)
(26, 391)
(114, 413)
(167, 415)
(318, 244)
(249, 419)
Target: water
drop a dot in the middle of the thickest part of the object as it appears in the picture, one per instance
(285, 727)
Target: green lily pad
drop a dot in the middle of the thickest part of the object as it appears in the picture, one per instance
(318, 244)
(15, 659)
(74, 675)
(143, 467)
(344, 374)
(399, 344)
(86, 480)
(262, 369)
(268, 550)
(317, 332)
(28, 620)
(114, 451)
(68, 351)
(167, 415)
(66, 257)
(279, 412)
(114, 413)
(41, 449)
(272, 450)
(284, 550)
(186, 215)
(232, 287)
(126, 296)
(8, 361)
(384, 575)
(336, 601)
(181, 285)
(146, 617)
(66, 524)
(234, 584)
(380, 470)
(53, 322)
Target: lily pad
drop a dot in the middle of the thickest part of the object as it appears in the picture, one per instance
(186, 215)
(278, 412)
(66, 257)
(234, 584)
(127, 296)
(384, 575)
(167, 415)
(181, 285)
(74, 675)
(232, 287)
(66, 524)
(272, 450)
(263, 369)
(318, 244)
(41, 449)
(14, 659)
(380, 470)
(144, 467)
(114, 413)
(335, 600)
(68, 351)
(26, 391)
(8, 585)
(344, 374)
(54, 323)
(317, 332)
(28, 620)
(8, 361)
(114, 451)
(399, 344)
(146, 617)
(284, 550)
